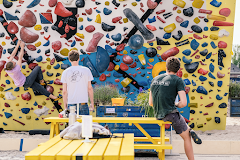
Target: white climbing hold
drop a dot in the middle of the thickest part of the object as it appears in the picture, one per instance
(9, 96)
(67, 2)
(43, 111)
(223, 33)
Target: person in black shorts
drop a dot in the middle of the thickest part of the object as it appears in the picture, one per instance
(164, 89)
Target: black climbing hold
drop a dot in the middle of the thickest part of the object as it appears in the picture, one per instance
(17, 11)
(97, 3)
(219, 90)
(188, 12)
(193, 90)
(80, 3)
(151, 52)
(58, 74)
(45, 28)
(116, 59)
(203, 60)
(196, 29)
(212, 60)
(12, 43)
(82, 51)
(64, 66)
(192, 67)
(181, 43)
(211, 84)
(133, 52)
(137, 60)
(2, 34)
(221, 54)
(178, 36)
(210, 90)
(217, 119)
(222, 105)
(213, 28)
(192, 111)
(142, 67)
(125, 28)
(160, 60)
(58, 58)
(204, 52)
(7, 4)
(107, 28)
(206, 20)
(125, 89)
(2, 130)
(49, 74)
(162, 42)
(47, 51)
(54, 27)
(160, 27)
(168, 16)
(93, 82)
(143, 75)
(191, 125)
(115, 3)
(116, 44)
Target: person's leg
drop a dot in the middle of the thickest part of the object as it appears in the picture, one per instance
(83, 109)
(36, 86)
(187, 144)
(32, 77)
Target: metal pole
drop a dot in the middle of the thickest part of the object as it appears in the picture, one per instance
(171, 139)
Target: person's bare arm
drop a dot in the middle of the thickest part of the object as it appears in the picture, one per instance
(65, 96)
(90, 94)
(14, 51)
(150, 101)
(183, 100)
(20, 57)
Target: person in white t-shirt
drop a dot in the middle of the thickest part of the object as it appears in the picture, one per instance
(77, 85)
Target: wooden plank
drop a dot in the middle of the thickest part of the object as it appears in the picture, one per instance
(51, 153)
(127, 148)
(152, 146)
(35, 153)
(84, 149)
(66, 153)
(145, 139)
(99, 149)
(113, 149)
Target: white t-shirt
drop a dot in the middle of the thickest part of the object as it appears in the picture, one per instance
(77, 78)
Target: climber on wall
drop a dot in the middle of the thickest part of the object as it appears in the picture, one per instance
(34, 80)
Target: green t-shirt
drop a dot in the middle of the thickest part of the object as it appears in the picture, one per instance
(164, 90)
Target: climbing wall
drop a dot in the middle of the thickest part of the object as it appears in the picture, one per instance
(124, 43)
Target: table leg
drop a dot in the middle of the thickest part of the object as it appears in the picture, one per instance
(52, 131)
(162, 132)
(57, 131)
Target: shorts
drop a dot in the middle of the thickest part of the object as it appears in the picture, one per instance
(83, 108)
(178, 122)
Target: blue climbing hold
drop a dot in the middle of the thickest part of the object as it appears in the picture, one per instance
(150, 44)
(7, 81)
(35, 103)
(98, 11)
(202, 78)
(218, 97)
(10, 17)
(193, 83)
(187, 82)
(220, 67)
(50, 82)
(44, 20)
(194, 75)
(211, 67)
(107, 35)
(142, 83)
(194, 44)
(219, 83)
(89, 19)
(187, 52)
(7, 115)
(211, 75)
(57, 66)
(73, 43)
(33, 4)
(102, 59)
(107, 11)
(205, 44)
(209, 55)
(213, 45)
(184, 24)
(20, 117)
(167, 35)
(205, 28)
(39, 59)
(187, 61)
(4, 123)
(202, 90)
(149, 81)
(225, 94)
(109, 49)
(8, 89)
(47, 43)
(36, 119)
(151, 20)
(39, 51)
(23, 66)
(117, 37)
(87, 63)
(4, 51)
(81, 27)
(25, 110)
(117, 75)
(136, 42)
(16, 89)
(215, 3)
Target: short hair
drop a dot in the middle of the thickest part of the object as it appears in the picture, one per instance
(9, 66)
(73, 55)
(173, 64)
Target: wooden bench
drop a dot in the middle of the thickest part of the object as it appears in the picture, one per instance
(106, 148)
(157, 143)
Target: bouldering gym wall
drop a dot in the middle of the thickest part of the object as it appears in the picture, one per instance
(123, 42)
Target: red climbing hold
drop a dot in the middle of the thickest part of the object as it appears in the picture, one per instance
(6, 105)
(209, 105)
(88, 11)
(120, 47)
(12, 28)
(58, 82)
(116, 19)
(179, 19)
(103, 77)
(60, 24)
(26, 96)
(187, 89)
(171, 52)
(28, 36)
(225, 12)
(220, 75)
(205, 11)
(151, 28)
(110, 67)
(161, 11)
(179, 73)
(123, 67)
(31, 47)
(221, 23)
(28, 19)
(56, 45)
(1, 12)
(197, 36)
(60, 10)
(133, 65)
(204, 36)
(52, 61)
(66, 28)
(151, 4)
(52, 3)
(32, 65)
(202, 71)
(222, 44)
(90, 28)
(127, 59)
(92, 46)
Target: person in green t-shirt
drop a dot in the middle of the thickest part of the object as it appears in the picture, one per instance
(163, 92)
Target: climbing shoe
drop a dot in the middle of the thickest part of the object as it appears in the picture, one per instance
(196, 139)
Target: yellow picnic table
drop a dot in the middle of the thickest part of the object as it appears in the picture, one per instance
(157, 143)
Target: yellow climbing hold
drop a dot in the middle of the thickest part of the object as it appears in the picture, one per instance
(181, 112)
(38, 44)
(80, 35)
(1, 95)
(208, 118)
(64, 52)
(197, 3)
(44, 103)
(217, 18)
(82, 43)
(116, 68)
(49, 67)
(142, 59)
(125, 52)
(147, 76)
(38, 27)
(157, 68)
(48, 59)
(28, 117)
(1, 89)
(151, 60)
(74, 49)
(193, 104)
(170, 28)
(213, 37)
(125, 82)
(179, 11)
(134, 3)
(98, 19)
(17, 104)
(107, 3)
(196, 20)
(179, 3)
(231, 52)
(200, 125)
(3, 43)
(125, 20)
(185, 75)
(80, 19)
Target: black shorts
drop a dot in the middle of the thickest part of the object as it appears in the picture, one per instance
(178, 122)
